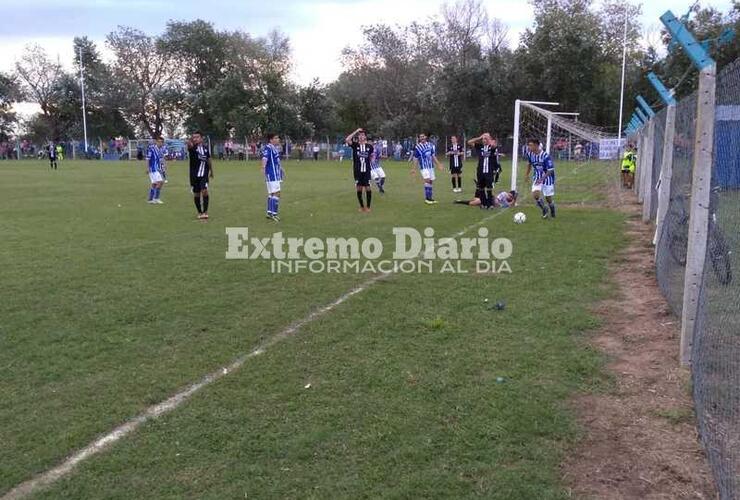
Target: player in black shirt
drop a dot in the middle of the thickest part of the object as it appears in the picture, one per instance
(361, 153)
(52, 149)
(487, 165)
(456, 153)
(201, 170)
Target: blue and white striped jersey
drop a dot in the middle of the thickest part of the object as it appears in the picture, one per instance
(273, 170)
(163, 151)
(154, 158)
(425, 152)
(541, 164)
(375, 157)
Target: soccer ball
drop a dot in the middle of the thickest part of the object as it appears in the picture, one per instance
(520, 218)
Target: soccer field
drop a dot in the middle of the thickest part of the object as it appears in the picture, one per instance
(418, 388)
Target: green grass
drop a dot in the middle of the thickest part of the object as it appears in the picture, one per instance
(109, 305)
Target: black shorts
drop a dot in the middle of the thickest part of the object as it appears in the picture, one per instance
(198, 184)
(485, 181)
(456, 170)
(362, 178)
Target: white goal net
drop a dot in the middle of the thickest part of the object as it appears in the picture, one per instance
(561, 134)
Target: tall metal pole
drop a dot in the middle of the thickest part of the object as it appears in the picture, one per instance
(621, 92)
(82, 88)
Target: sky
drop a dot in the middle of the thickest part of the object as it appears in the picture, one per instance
(318, 29)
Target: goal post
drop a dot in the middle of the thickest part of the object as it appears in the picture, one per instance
(515, 152)
(563, 136)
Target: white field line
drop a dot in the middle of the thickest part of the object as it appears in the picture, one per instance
(65, 468)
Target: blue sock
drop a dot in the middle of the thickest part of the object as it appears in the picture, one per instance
(156, 193)
(428, 191)
(151, 194)
(276, 204)
(269, 205)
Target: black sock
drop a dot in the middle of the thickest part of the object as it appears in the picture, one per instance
(541, 205)
(359, 198)
(489, 197)
(459, 182)
(205, 204)
(369, 196)
(552, 208)
(197, 204)
(454, 183)
(462, 202)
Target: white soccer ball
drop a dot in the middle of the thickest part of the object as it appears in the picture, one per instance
(520, 218)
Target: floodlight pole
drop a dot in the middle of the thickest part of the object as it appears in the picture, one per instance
(621, 92)
(84, 113)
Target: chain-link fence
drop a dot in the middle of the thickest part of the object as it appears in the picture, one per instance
(711, 328)
(716, 347)
(672, 245)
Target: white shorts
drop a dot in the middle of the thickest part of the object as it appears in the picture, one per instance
(548, 190)
(428, 174)
(377, 173)
(156, 177)
(273, 186)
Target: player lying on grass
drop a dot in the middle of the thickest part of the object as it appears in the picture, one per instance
(456, 154)
(376, 170)
(487, 165)
(504, 199)
(201, 170)
(361, 154)
(274, 175)
(543, 176)
(155, 160)
(425, 157)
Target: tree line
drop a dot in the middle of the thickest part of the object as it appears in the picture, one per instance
(451, 73)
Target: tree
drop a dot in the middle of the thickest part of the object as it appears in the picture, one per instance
(9, 93)
(201, 54)
(147, 81)
(317, 109)
(40, 82)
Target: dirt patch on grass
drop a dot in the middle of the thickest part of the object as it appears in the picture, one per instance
(640, 439)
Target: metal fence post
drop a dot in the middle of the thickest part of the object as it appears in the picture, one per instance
(647, 179)
(699, 215)
(640, 163)
(666, 172)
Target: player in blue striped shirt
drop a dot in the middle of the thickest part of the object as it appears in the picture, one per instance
(376, 170)
(164, 152)
(543, 176)
(155, 162)
(425, 157)
(274, 175)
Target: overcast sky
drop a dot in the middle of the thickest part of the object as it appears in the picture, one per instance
(318, 29)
